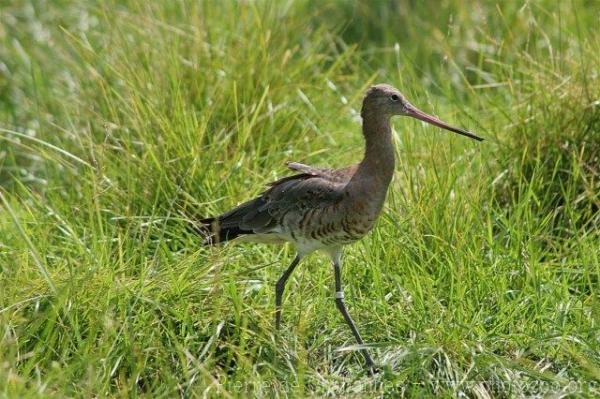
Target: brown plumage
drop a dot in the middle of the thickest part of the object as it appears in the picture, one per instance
(325, 209)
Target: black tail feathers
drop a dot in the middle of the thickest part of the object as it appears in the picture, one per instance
(215, 233)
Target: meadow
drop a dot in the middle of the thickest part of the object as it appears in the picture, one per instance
(122, 121)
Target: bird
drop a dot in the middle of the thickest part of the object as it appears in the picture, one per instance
(325, 209)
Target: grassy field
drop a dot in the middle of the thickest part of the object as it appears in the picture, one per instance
(120, 119)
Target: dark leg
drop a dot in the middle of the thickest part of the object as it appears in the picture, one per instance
(339, 301)
(280, 287)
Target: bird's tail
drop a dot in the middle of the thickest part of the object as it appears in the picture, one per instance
(214, 232)
(232, 224)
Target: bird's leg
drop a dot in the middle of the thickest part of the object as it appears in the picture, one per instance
(280, 287)
(339, 301)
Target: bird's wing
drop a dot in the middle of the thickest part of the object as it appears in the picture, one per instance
(298, 193)
(312, 188)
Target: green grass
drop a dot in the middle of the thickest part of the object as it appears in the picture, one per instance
(117, 119)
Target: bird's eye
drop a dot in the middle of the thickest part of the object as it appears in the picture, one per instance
(395, 98)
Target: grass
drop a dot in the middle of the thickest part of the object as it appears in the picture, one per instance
(481, 278)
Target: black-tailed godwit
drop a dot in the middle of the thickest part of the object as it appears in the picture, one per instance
(326, 209)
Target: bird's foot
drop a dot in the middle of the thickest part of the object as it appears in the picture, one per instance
(373, 370)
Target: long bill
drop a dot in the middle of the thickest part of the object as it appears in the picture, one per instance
(418, 114)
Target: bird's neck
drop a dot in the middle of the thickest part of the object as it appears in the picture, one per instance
(377, 166)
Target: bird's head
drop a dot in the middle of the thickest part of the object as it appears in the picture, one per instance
(385, 101)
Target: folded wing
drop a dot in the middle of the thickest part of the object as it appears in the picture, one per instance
(289, 196)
